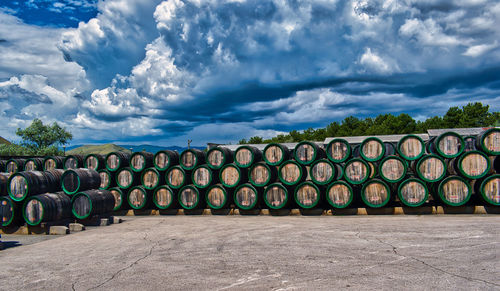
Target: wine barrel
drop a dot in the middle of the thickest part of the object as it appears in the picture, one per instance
(338, 150)
(95, 162)
(489, 189)
(496, 164)
(219, 197)
(413, 192)
(54, 178)
(308, 195)
(307, 152)
(375, 193)
(191, 158)
(190, 197)
(245, 156)
(261, 174)
(15, 165)
(447, 145)
(489, 141)
(356, 171)
(10, 212)
(472, 165)
(50, 163)
(411, 147)
(218, 157)
(140, 161)
(126, 178)
(203, 176)
(73, 162)
(77, 180)
(176, 177)
(373, 149)
(4, 183)
(247, 197)
(292, 173)
(3, 163)
(24, 184)
(165, 159)
(274, 154)
(152, 178)
(470, 143)
(164, 198)
(34, 164)
(323, 172)
(431, 168)
(139, 197)
(454, 191)
(117, 160)
(108, 179)
(89, 203)
(393, 169)
(120, 197)
(277, 196)
(47, 207)
(231, 176)
(339, 194)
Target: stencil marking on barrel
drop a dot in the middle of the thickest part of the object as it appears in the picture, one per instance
(175, 177)
(150, 178)
(305, 152)
(82, 205)
(137, 162)
(376, 193)
(246, 197)
(274, 154)
(322, 171)
(290, 172)
(307, 195)
(393, 169)
(18, 186)
(431, 168)
(356, 171)
(492, 190)
(188, 159)
(137, 197)
(216, 197)
(215, 158)
(125, 178)
(118, 197)
(411, 147)
(372, 149)
(449, 145)
(113, 161)
(492, 141)
(474, 164)
(244, 157)
(34, 211)
(339, 194)
(202, 176)
(230, 176)
(163, 197)
(276, 196)
(337, 150)
(189, 197)
(413, 192)
(260, 174)
(455, 191)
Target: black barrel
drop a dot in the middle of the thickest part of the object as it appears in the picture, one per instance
(231, 176)
(77, 180)
(219, 197)
(126, 178)
(292, 173)
(218, 157)
(307, 152)
(152, 178)
(140, 161)
(4, 183)
(190, 197)
(164, 198)
(357, 171)
(340, 194)
(245, 156)
(165, 159)
(261, 174)
(95, 162)
(191, 158)
(338, 150)
(411, 147)
(54, 177)
(117, 160)
(413, 192)
(92, 202)
(203, 176)
(454, 191)
(247, 197)
(393, 169)
(24, 184)
(278, 196)
(34, 164)
(120, 198)
(489, 141)
(15, 165)
(309, 195)
(470, 143)
(430, 168)
(73, 162)
(139, 197)
(375, 193)
(176, 177)
(489, 189)
(47, 207)
(108, 179)
(471, 165)
(10, 212)
(448, 145)
(323, 172)
(274, 154)
(55, 162)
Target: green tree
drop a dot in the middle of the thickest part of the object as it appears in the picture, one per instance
(255, 140)
(42, 138)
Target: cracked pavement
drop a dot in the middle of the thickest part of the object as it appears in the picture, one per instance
(263, 252)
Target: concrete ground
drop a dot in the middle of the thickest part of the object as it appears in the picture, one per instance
(263, 253)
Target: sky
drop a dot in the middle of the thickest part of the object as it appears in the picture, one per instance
(162, 72)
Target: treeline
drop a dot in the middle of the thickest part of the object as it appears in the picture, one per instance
(470, 115)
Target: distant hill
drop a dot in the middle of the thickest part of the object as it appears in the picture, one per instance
(103, 149)
(154, 149)
(4, 141)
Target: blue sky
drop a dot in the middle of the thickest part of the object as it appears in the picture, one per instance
(162, 72)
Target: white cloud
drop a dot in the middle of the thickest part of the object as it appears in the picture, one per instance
(478, 50)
